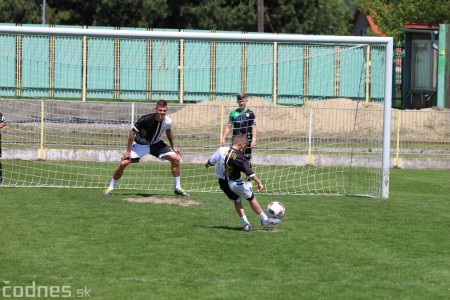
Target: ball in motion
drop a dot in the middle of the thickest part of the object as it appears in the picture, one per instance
(276, 210)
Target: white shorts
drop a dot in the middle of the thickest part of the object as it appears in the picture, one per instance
(241, 189)
(159, 150)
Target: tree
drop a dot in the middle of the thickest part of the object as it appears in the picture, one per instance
(72, 12)
(20, 11)
(309, 17)
(131, 13)
(390, 16)
(285, 16)
(219, 15)
(281, 16)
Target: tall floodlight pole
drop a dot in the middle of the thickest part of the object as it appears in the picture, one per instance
(260, 15)
(43, 11)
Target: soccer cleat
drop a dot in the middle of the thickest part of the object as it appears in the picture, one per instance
(270, 221)
(181, 192)
(247, 227)
(107, 192)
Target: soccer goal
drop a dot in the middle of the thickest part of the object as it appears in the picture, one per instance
(70, 96)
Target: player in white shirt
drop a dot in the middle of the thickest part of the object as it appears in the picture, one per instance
(230, 162)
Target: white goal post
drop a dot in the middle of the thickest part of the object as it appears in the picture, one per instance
(326, 146)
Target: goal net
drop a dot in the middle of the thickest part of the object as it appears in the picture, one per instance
(322, 107)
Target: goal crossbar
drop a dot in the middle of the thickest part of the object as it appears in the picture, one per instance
(176, 35)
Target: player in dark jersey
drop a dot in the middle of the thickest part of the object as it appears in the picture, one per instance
(242, 121)
(218, 159)
(231, 162)
(146, 138)
(2, 124)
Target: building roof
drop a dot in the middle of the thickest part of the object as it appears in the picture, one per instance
(371, 23)
(374, 26)
(420, 27)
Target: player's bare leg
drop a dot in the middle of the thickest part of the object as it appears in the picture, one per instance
(175, 164)
(241, 213)
(239, 208)
(120, 169)
(174, 160)
(254, 204)
(124, 162)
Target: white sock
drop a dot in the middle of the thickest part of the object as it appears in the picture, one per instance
(244, 220)
(176, 181)
(112, 184)
(262, 216)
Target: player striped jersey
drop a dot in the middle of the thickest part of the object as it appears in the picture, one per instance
(149, 131)
(242, 121)
(235, 163)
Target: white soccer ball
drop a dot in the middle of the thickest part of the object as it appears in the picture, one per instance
(276, 210)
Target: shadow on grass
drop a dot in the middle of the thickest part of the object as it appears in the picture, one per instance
(238, 228)
(233, 228)
(142, 195)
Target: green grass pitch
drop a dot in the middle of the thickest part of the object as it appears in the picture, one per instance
(76, 242)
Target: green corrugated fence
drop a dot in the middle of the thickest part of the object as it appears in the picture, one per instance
(186, 71)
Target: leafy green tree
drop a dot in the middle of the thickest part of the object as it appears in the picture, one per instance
(281, 16)
(390, 16)
(220, 15)
(309, 17)
(284, 16)
(72, 12)
(21, 11)
(131, 13)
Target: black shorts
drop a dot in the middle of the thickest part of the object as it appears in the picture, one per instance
(226, 189)
(157, 150)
